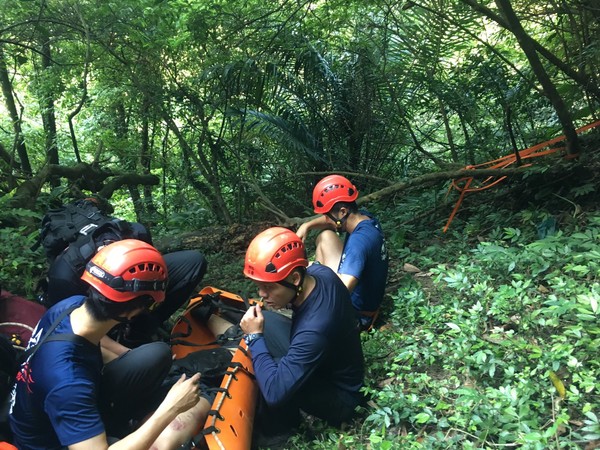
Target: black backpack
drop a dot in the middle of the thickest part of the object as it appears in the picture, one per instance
(64, 225)
(75, 231)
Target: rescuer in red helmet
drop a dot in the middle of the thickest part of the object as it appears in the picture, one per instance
(361, 259)
(72, 392)
(322, 370)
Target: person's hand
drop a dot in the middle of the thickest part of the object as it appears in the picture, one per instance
(183, 395)
(302, 231)
(253, 321)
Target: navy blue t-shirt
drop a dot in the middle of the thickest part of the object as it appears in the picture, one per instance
(53, 403)
(365, 257)
(324, 344)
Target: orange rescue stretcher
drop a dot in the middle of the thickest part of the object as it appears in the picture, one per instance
(230, 421)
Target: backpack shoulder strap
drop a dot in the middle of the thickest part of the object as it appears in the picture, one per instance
(31, 350)
(69, 337)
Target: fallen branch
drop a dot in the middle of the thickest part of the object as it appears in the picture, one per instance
(434, 177)
(89, 176)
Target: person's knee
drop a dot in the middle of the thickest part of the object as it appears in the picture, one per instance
(329, 249)
(194, 258)
(186, 266)
(200, 262)
(155, 354)
(326, 238)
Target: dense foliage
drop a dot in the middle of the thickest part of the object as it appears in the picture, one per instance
(234, 108)
(489, 335)
(188, 113)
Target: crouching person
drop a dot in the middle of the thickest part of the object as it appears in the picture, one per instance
(322, 370)
(72, 392)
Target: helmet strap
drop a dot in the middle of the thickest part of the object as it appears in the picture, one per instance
(296, 288)
(119, 284)
(121, 319)
(339, 223)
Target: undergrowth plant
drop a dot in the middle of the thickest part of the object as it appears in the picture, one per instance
(495, 345)
(22, 262)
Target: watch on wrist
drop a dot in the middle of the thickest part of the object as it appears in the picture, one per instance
(251, 337)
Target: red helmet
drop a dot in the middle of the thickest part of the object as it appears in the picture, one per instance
(273, 254)
(127, 269)
(330, 190)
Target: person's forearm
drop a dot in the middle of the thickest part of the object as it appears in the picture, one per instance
(183, 427)
(318, 223)
(145, 435)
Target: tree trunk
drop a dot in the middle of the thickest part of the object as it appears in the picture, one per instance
(14, 116)
(470, 151)
(46, 99)
(580, 77)
(449, 136)
(550, 90)
(148, 197)
(136, 198)
(511, 133)
(437, 161)
(213, 199)
(146, 159)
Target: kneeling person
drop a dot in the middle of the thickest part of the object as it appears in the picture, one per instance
(73, 392)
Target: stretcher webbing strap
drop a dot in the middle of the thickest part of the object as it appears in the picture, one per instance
(216, 414)
(232, 374)
(502, 163)
(183, 334)
(239, 366)
(174, 342)
(225, 389)
(222, 390)
(212, 429)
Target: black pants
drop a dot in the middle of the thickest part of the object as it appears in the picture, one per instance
(186, 269)
(132, 387)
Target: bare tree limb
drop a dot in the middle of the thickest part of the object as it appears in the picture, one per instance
(127, 179)
(84, 93)
(351, 175)
(434, 177)
(265, 202)
(89, 176)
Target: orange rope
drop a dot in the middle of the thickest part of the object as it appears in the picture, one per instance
(503, 162)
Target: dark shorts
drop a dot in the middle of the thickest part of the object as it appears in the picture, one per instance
(132, 386)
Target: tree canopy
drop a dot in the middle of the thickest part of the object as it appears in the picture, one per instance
(233, 109)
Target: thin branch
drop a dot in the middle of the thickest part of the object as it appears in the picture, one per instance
(265, 202)
(351, 175)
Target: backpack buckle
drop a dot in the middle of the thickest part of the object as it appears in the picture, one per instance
(90, 227)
